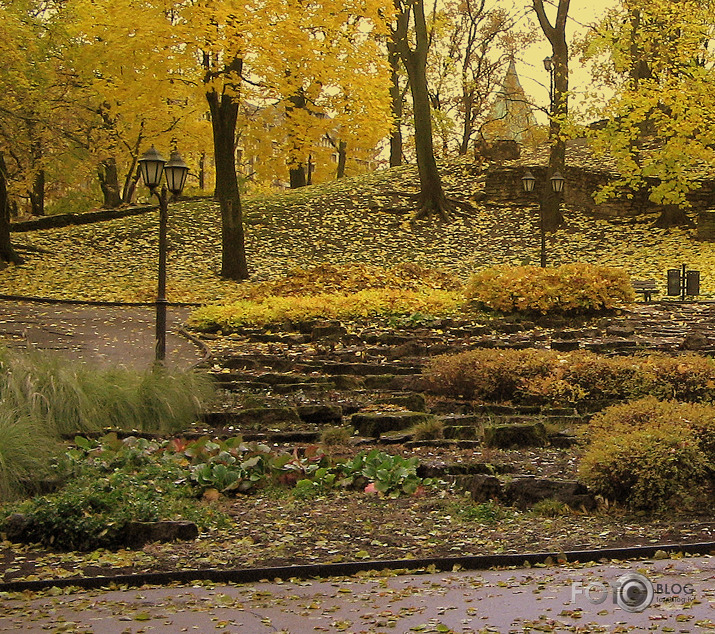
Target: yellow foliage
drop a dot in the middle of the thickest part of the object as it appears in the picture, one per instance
(362, 304)
(325, 278)
(567, 288)
(651, 454)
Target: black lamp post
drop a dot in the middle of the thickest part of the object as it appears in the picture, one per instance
(528, 182)
(152, 166)
(549, 66)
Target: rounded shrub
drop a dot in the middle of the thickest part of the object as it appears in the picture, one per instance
(650, 454)
(569, 288)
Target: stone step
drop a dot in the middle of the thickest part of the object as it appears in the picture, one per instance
(525, 491)
(373, 424)
(359, 369)
(265, 417)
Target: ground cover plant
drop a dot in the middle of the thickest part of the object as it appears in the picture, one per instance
(112, 481)
(362, 304)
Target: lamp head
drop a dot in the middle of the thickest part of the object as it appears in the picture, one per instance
(176, 172)
(528, 181)
(557, 182)
(151, 166)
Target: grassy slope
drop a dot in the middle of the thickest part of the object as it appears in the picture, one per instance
(352, 220)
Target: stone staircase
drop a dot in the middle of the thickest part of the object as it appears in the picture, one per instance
(285, 385)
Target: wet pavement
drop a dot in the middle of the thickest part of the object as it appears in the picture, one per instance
(563, 598)
(102, 335)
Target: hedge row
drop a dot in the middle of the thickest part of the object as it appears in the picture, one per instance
(545, 376)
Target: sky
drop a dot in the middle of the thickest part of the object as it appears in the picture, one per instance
(534, 78)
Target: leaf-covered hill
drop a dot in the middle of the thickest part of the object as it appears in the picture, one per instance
(362, 219)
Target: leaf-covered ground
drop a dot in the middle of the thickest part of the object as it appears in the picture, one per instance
(362, 220)
(269, 529)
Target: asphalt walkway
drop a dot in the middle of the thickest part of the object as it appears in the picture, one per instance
(101, 335)
(552, 599)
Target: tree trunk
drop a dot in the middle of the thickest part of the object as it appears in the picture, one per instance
(396, 105)
(551, 202)
(224, 115)
(297, 177)
(7, 253)
(202, 171)
(131, 187)
(673, 216)
(432, 199)
(109, 183)
(37, 194)
(130, 181)
(342, 158)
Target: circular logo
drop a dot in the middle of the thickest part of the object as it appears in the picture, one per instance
(634, 592)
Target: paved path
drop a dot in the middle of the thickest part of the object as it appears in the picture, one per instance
(538, 599)
(101, 335)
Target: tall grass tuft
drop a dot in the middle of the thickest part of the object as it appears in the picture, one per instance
(25, 455)
(64, 398)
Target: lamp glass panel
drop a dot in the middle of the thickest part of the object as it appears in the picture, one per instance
(151, 166)
(528, 181)
(176, 178)
(557, 183)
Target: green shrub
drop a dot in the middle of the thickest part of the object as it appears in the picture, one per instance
(489, 375)
(650, 454)
(564, 289)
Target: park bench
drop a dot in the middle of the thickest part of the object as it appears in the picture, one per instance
(646, 288)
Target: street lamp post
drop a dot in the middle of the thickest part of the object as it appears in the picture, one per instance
(152, 166)
(528, 182)
(549, 66)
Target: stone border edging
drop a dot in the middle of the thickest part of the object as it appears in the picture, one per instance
(58, 221)
(201, 345)
(89, 302)
(414, 566)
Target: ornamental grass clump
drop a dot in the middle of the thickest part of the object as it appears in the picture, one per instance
(569, 288)
(26, 454)
(652, 455)
(60, 397)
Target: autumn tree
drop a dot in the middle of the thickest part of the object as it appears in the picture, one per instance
(34, 94)
(472, 43)
(550, 210)
(128, 77)
(657, 58)
(410, 40)
(329, 98)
